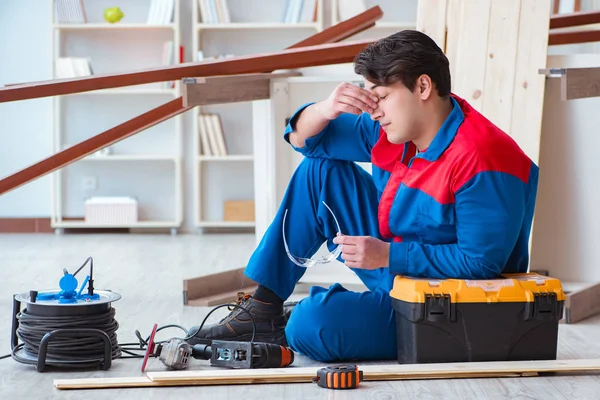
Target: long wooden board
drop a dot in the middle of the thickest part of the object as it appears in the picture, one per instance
(301, 57)
(159, 114)
(370, 373)
(89, 146)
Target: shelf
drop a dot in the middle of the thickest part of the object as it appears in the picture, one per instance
(237, 157)
(258, 25)
(140, 224)
(92, 26)
(226, 224)
(130, 157)
(170, 92)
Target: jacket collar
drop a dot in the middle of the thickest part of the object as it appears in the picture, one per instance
(385, 154)
(446, 134)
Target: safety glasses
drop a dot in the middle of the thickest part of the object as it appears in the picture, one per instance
(311, 262)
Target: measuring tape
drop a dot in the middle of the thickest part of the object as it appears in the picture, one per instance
(339, 377)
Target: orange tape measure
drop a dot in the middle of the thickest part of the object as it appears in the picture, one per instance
(339, 377)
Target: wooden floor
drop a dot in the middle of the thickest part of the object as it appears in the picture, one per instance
(147, 270)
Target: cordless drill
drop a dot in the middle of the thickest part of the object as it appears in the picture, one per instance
(176, 353)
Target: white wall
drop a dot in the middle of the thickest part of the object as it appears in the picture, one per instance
(26, 134)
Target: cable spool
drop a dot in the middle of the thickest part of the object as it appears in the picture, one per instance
(66, 328)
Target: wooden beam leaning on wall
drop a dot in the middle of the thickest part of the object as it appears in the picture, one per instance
(89, 146)
(327, 54)
(576, 19)
(59, 160)
(310, 56)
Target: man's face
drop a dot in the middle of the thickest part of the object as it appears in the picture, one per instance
(397, 111)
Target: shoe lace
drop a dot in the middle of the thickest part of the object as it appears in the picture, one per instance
(242, 297)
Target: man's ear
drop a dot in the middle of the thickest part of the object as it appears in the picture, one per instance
(424, 87)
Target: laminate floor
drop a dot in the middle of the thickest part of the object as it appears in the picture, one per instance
(147, 270)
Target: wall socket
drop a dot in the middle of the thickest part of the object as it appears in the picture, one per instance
(89, 183)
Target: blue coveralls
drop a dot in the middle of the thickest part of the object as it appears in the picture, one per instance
(461, 209)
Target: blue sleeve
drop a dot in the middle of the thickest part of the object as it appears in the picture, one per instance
(348, 137)
(489, 212)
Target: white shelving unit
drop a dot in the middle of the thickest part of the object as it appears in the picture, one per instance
(146, 166)
(249, 31)
(397, 15)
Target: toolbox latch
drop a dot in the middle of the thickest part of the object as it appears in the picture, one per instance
(545, 306)
(439, 308)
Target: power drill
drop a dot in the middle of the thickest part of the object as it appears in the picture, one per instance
(176, 353)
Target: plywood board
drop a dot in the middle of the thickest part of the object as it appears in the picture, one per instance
(370, 373)
(495, 49)
(431, 19)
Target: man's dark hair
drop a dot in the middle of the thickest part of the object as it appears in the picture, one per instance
(403, 57)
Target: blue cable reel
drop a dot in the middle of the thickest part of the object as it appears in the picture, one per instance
(68, 285)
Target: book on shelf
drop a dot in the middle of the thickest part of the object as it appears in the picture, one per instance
(214, 11)
(168, 58)
(161, 12)
(212, 139)
(217, 11)
(69, 12)
(300, 11)
(72, 67)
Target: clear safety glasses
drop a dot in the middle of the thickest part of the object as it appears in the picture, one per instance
(311, 262)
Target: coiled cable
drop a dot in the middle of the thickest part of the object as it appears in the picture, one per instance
(71, 349)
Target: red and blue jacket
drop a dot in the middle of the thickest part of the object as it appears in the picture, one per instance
(463, 208)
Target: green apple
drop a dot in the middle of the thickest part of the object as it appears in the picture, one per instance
(113, 14)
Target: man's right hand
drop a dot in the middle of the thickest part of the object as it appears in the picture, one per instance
(347, 98)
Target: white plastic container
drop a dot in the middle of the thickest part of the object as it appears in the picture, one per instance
(111, 210)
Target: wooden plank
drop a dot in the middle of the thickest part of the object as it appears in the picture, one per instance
(115, 134)
(387, 372)
(470, 44)
(89, 146)
(574, 19)
(529, 86)
(431, 20)
(140, 382)
(582, 304)
(370, 373)
(501, 62)
(345, 29)
(588, 36)
(453, 26)
(309, 56)
(213, 289)
(226, 89)
(579, 83)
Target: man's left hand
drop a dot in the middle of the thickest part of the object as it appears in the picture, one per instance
(365, 252)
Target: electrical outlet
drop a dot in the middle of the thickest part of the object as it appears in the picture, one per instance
(89, 183)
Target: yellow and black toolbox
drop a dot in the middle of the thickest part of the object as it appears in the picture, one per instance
(514, 317)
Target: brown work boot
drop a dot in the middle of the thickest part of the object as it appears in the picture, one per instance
(237, 326)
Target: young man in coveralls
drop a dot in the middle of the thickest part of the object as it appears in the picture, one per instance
(450, 196)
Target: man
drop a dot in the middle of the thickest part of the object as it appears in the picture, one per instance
(450, 196)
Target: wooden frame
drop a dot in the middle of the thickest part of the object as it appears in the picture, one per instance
(315, 51)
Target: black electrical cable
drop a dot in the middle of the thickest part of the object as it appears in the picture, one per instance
(66, 350)
(143, 343)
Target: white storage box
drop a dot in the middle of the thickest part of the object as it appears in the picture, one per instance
(111, 210)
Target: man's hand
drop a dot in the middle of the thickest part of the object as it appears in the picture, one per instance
(347, 98)
(365, 252)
